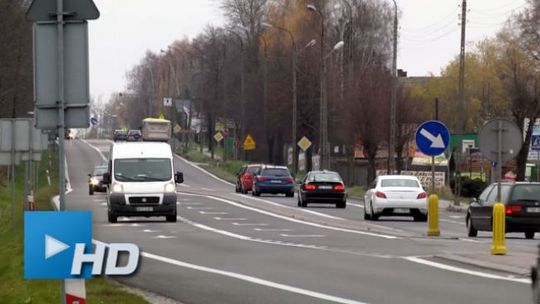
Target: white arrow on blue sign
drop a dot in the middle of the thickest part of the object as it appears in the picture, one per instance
(93, 121)
(432, 137)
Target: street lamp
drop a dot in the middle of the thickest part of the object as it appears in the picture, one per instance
(295, 53)
(149, 68)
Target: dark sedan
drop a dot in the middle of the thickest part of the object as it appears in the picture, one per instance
(120, 135)
(522, 209)
(324, 187)
(95, 180)
(273, 179)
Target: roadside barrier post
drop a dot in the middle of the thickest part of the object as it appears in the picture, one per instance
(498, 247)
(433, 216)
(31, 205)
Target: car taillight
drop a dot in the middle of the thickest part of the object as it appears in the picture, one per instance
(289, 180)
(339, 188)
(262, 178)
(512, 209)
(380, 194)
(421, 195)
(310, 187)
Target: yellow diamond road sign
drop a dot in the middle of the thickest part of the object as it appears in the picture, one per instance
(218, 137)
(249, 143)
(304, 143)
(177, 128)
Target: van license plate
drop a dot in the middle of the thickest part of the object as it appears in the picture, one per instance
(145, 209)
(533, 209)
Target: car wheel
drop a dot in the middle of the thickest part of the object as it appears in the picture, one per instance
(113, 218)
(373, 216)
(529, 235)
(420, 218)
(171, 218)
(471, 232)
(304, 204)
(237, 189)
(257, 193)
(299, 201)
(91, 190)
(289, 194)
(341, 205)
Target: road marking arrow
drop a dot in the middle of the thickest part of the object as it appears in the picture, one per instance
(436, 141)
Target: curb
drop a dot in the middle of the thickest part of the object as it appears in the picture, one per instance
(485, 264)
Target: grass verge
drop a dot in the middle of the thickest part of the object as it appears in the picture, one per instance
(13, 287)
(223, 169)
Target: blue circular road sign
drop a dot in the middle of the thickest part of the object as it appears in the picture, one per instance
(93, 121)
(432, 137)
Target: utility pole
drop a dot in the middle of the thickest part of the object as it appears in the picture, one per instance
(462, 122)
(393, 101)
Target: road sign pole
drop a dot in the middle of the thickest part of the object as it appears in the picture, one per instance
(433, 175)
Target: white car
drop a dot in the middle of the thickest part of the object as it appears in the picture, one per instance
(396, 195)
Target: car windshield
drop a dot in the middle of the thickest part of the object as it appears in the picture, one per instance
(324, 177)
(100, 170)
(526, 192)
(399, 182)
(276, 172)
(142, 169)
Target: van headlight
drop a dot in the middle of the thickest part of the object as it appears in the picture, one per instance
(170, 187)
(117, 188)
(94, 181)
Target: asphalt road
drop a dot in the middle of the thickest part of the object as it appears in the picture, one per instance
(232, 248)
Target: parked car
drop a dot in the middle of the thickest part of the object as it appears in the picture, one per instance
(95, 180)
(396, 195)
(244, 177)
(273, 179)
(522, 209)
(119, 135)
(134, 135)
(324, 187)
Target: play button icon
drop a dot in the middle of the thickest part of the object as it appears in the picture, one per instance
(53, 246)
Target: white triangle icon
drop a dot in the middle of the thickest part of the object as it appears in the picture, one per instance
(53, 246)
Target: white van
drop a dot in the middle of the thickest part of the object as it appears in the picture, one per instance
(141, 180)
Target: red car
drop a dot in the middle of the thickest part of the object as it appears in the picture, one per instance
(244, 177)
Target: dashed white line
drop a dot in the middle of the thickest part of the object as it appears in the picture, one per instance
(150, 231)
(323, 215)
(191, 204)
(471, 240)
(356, 205)
(207, 189)
(230, 218)
(213, 212)
(465, 271)
(184, 185)
(272, 229)
(248, 224)
(199, 208)
(451, 222)
(164, 237)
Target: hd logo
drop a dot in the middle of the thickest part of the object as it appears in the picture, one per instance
(58, 245)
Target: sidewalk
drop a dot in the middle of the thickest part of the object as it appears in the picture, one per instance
(517, 263)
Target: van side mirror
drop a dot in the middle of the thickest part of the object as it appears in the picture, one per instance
(179, 177)
(106, 178)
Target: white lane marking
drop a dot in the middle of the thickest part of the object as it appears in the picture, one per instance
(208, 189)
(303, 235)
(247, 238)
(466, 271)
(385, 236)
(191, 204)
(230, 218)
(288, 207)
(457, 216)
(356, 205)
(252, 279)
(137, 225)
(203, 171)
(184, 185)
(199, 208)
(213, 212)
(272, 229)
(249, 224)
(471, 240)
(150, 231)
(95, 148)
(164, 237)
(104, 204)
(323, 215)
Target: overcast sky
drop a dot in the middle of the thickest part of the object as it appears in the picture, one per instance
(429, 32)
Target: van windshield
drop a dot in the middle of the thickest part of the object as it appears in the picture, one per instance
(142, 169)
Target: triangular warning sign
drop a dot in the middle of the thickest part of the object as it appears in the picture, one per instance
(249, 143)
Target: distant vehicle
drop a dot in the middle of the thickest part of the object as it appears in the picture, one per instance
(141, 181)
(522, 209)
(324, 187)
(134, 135)
(154, 129)
(396, 195)
(244, 177)
(273, 179)
(120, 134)
(95, 180)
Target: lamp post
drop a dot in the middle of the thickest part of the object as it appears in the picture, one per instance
(173, 105)
(393, 100)
(149, 68)
(295, 53)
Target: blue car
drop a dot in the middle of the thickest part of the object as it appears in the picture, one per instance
(273, 179)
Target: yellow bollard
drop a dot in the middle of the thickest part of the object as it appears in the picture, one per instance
(433, 216)
(499, 222)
